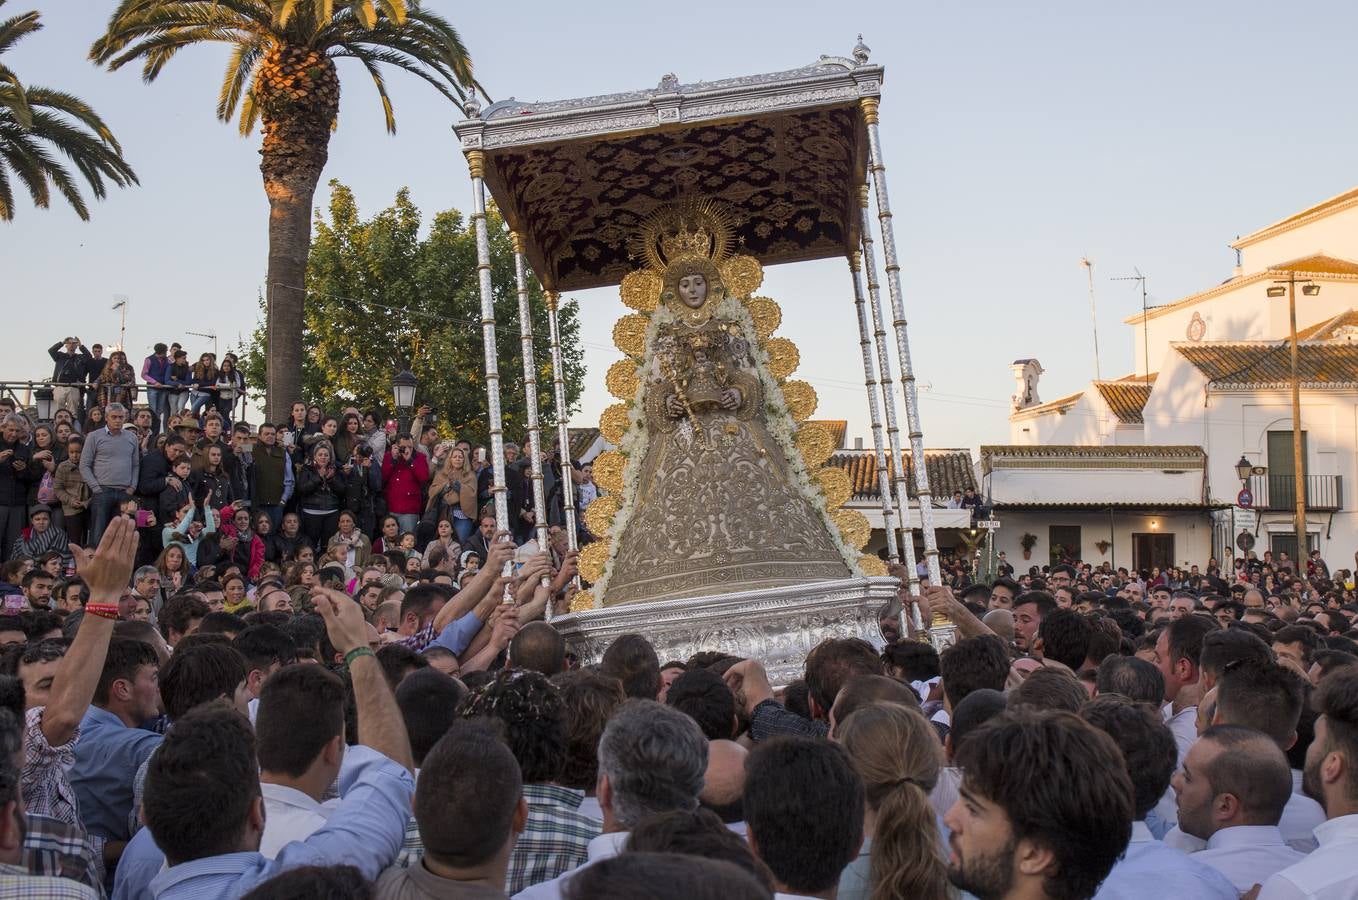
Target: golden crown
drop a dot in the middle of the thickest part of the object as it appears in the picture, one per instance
(686, 229)
(697, 242)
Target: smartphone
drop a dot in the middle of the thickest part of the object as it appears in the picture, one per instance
(14, 604)
(481, 455)
(143, 518)
(289, 439)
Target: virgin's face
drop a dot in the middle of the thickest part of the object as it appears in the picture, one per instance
(692, 290)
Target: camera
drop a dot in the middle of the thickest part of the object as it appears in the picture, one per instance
(364, 451)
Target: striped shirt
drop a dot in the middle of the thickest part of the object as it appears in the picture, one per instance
(556, 838)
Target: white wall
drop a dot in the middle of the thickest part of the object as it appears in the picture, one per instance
(1336, 235)
(1192, 531)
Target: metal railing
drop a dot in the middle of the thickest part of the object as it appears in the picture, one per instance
(1279, 492)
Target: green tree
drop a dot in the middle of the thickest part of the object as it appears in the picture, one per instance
(281, 74)
(34, 121)
(379, 295)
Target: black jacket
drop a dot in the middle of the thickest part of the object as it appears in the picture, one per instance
(321, 492)
(155, 468)
(14, 482)
(71, 368)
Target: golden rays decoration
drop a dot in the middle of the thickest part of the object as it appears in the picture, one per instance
(622, 381)
(835, 484)
(641, 289)
(629, 335)
(801, 400)
(767, 316)
(813, 441)
(582, 601)
(608, 468)
(614, 422)
(741, 275)
(871, 566)
(600, 512)
(783, 356)
(854, 526)
(593, 558)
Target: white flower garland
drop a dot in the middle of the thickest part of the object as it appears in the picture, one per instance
(780, 425)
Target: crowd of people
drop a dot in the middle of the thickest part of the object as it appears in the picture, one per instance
(297, 662)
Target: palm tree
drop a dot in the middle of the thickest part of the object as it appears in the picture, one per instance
(282, 74)
(36, 120)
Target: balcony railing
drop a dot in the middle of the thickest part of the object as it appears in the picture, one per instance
(1279, 492)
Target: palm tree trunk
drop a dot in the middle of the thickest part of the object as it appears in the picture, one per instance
(299, 95)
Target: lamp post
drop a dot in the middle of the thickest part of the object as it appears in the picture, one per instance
(403, 392)
(1309, 289)
(42, 397)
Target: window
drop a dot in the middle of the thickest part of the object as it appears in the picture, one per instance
(1152, 550)
(1286, 542)
(1282, 471)
(1063, 542)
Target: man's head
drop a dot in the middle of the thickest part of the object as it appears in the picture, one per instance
(1226, 647)
(526, 708)
(203, 673)
(540, 647)
(420, 605)
(631, 659)
(1146, 742)
(115, 414)
(1002, 593)
(804, 811)
(300, 722)
(1029, 611)
(651, 760)
(1061, 576)
(588, 700)
(972, 663)
(1264, 696)
(1297, 642)
(1331, 773)
(129, 683)
(37, 587)
(1231, 776)
(1059, 829)
(202, 787)
(1178, 650)
(180, 616)
(702, 695)
(36, 668)
(1131, 677)
(428, 700)
(12, 824)
(1064, 636)
(469, 803)
(1182, 605)
(266, 648)
(833, 662)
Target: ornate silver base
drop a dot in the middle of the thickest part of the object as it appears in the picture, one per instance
(777, 626)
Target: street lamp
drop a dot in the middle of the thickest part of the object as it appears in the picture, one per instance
(403, 392)
(1243, 469)
(43, 398)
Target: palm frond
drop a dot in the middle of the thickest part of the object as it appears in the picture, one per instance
(6, 197)
(135, 21)
(16, 28)
(249, 113)
(240, 70)
(75, 107)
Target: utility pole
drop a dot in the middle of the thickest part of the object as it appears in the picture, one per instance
(120, 302)
(1145, 319)
(1310, 289)
(210, 335)
(1093, 316)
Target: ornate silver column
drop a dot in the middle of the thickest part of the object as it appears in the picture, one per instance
(869, 106)
(888, 398)
(476, 165)
(530, 390)
(563, 435)
(889, 517)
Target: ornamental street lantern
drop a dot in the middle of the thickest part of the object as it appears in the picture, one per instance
(43, 398)
(1243, 469)
(403, 392)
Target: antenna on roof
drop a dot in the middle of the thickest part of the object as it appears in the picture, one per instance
(1145, 318)
(1093, 315)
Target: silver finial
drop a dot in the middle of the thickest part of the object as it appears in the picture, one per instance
(470, 105)
(861, 51)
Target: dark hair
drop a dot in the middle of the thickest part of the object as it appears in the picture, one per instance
(11, 741)
(663, 876)
(1049, 689)
(1330, 660)
(264, 645)
(1146, 742)
(526, 709)
(125, 657)
(973, 663)
(179, 612)
(1065, 636)
(12, 696)
(428, 702)
(699, 833)
(467, 796)
(330, 882)
(796, 698)
(1131, 677)
(1264, 696)
(1299, 634)
(831, 662)
(1224, 646)
(1186, 635)
(540, 647)
(1128, 622)
(976, 709)
(804, 808)
(917, 660)
(200, 673)
(219, 622)
(860, 690)
(201, 784)
(398, 661)
(301, 709)
(588, 700)
(1075, 798)
(1337, 700)
(306, 632)
(1253, 769)
(631, 659)
(703, 696)
(422, 596)
(1045, 602)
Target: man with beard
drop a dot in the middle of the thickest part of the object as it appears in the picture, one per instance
(1054, 833)
(1331, 777)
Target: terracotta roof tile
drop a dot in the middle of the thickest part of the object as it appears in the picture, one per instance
(1241, 364)
(949, 471)
(1127, 399)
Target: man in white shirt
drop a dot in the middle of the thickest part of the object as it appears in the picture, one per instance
(1177, 652)
(1331, 775)
(1231, 793)
(651, 760)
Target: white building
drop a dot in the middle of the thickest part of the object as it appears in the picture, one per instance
(1141, 471)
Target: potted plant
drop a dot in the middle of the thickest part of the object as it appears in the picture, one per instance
(1028, 542)
(1103, 547)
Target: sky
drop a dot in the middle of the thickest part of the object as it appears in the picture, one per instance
(1018, 139)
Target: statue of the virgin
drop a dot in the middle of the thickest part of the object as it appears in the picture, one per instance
(713, 489)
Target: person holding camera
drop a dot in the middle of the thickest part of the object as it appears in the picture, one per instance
(321, 491)
(404, 476)
(363, 488)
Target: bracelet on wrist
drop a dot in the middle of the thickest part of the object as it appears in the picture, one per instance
(356, 653)
(102, 610)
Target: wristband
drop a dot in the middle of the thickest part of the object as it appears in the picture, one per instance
(102, 610)
(356, 653)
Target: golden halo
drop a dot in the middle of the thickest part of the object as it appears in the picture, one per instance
(614, 422)
(629, 335)
(622, 381)
(593, 558)
(640, 290)
(742, 275)
(687, 227)
(835, 484)
(783, 357)
(767, 316)
(582, 601)
(608, 468)
(800, 398)
(813, 441)
(872, 566)
(599, 514)
(854, 526)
